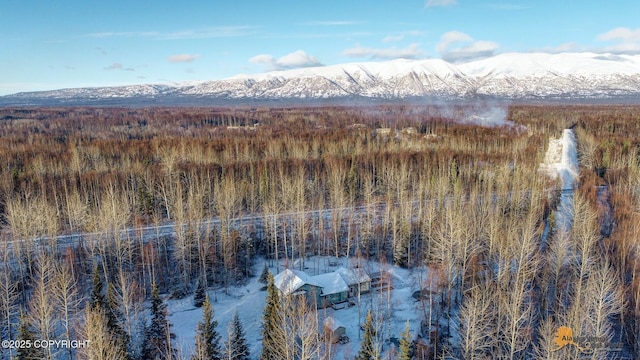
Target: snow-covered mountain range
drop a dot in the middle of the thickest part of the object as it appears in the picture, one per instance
(566, 76)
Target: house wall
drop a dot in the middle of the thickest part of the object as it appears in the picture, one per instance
(365, 287)
(334, 298)
(313, 294)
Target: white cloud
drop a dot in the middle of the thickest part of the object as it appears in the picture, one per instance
(562, 48)
(624, 41)
(410, 52)
(435, 3)
(209, 33)
(330, 23)
(119, 67)
(296, 59)
(449, 38)
(128, 34)
(203, 33)
(392, 38)
(399, 36)
(618, 41)
(456, 46)
(181, 58)
(262, 59)
(114, 66)
(506, 6)
(620, 34)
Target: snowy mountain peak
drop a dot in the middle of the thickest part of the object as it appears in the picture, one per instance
(508, 76)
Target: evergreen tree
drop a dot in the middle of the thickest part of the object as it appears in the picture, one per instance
(237, 348)
(200, 294)
(207, 339)
(264, 277)
(97, 297)
(158, 334)
(107, 305)
(26, 336)
(406, 352)
(114, 321)
(271, 320)
(368, 349)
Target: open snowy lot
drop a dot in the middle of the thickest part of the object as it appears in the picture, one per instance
(393, 307)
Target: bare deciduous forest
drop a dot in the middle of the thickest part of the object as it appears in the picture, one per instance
(100, 206)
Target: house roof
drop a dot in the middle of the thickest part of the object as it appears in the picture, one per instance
(331, 283)
(332, 323)
(288, 281)
(353, 276)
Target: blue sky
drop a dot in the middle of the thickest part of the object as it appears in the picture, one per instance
(57, 44)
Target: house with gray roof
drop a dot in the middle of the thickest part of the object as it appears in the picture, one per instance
(356, 279)
(334, 289)
(295, 282)
(324, 289)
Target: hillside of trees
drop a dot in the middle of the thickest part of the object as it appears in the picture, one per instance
(408, 185)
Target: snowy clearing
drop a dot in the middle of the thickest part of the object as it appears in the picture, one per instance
(393, 308)
(561, 159)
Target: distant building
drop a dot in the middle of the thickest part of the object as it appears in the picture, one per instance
(324, 289)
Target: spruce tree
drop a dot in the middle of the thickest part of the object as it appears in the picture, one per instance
(406, 352)
(237, 348)
(368, 350)
(97, 297)
(158, 334)
(114, 322)
(26, 336)
(207, 339)
(271, 320)
(264, 277)
(200, 294)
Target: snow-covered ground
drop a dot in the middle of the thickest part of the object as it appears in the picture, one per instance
(394, 307)
(561, 161)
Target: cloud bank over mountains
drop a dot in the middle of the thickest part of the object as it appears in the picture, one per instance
(296, 59)
(454, 46)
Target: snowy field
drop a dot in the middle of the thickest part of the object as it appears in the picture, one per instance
(393, 308)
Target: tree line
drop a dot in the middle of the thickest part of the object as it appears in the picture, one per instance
(466, 201)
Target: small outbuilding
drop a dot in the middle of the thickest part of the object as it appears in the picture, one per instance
(333, 330)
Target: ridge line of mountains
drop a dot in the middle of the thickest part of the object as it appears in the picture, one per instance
(509, 76)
